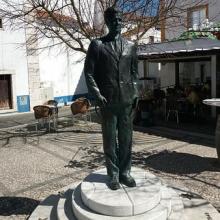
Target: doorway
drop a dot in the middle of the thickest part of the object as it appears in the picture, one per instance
(5, 92)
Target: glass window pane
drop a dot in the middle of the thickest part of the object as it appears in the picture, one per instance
(197, 17)
(202, 15)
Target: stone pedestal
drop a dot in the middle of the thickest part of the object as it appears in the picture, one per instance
(150, 200)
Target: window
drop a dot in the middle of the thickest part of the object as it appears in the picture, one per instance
(197, 15)
(0, 23)
(151, 39)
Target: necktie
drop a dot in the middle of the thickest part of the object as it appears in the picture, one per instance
(117, 46)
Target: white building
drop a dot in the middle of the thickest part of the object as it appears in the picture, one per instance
(197, 15)
(14, 89)
(29, 78)
(186, 62)
(194, 14)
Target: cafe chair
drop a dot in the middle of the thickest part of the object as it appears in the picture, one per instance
(53, 103)
(172, 107)
(81, 106)
(43, 115)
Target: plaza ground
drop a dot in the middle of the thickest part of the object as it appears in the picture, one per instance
(35, 165)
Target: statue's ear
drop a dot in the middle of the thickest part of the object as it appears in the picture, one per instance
(107, 22)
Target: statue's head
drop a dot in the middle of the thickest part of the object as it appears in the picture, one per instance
(113, 20)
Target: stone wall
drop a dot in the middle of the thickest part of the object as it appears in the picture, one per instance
(33, 68)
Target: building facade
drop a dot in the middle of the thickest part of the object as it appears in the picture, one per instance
(191, 14)
(196, 16)
(14, 89)
(184, 61)
(30, 77)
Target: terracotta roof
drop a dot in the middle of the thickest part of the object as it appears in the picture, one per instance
(134, 17)
(62, 18)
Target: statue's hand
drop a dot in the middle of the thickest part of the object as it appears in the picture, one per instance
(102, 101)
(135, 103)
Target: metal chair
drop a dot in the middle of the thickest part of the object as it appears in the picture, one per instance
(53, 103)
(172, 107)
(43, 115)
(81, 106)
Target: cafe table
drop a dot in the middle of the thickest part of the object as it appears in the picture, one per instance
(54, 110)
(215, 102)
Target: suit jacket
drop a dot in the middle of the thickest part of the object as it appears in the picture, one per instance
(110, 74)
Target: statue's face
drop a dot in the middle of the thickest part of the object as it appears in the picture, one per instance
(114, 23)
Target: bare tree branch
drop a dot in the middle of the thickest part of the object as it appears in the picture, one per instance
(72, 22)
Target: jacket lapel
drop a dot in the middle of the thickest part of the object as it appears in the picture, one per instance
(109, 47)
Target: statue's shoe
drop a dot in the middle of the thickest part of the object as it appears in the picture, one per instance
(127, 180)
(114, 183)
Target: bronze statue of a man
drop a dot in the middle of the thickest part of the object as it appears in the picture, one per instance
(111, 74)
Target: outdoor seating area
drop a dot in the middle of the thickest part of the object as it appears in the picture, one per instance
(187, 101)
(48, 113)
(179, 104)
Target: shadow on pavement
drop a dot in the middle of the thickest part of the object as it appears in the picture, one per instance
(175, 134)
(92, 159)
(17, 206)
(177, 163)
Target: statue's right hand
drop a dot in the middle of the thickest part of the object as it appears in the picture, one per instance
(102, 101)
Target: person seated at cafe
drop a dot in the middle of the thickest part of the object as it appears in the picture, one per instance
(180, 91)
(193, 101)
(170, 91)
(205, 91)
(193, 97)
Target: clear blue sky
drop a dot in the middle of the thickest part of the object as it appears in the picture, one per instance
(150, 9)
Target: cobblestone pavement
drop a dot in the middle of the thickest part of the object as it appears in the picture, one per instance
(35, 165)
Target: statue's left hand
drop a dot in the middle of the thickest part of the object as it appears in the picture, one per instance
(135, 103)
(102, 101)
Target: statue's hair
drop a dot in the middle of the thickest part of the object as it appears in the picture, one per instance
(111, 11)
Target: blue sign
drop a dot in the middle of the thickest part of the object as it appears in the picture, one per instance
(23, 103)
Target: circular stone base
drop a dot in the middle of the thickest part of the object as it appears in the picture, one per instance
(160, 212)
(123, 202)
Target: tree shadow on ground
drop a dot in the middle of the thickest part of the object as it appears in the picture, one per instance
(92, 159)
(80, 131)
(165, 161)
(63, 125)
(175, 162)
(180, 135)
(17, 206)
(20, 136)
(29, 133)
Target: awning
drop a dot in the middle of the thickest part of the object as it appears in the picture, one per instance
(178, 48)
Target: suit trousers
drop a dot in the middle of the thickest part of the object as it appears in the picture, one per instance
(117, 128)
